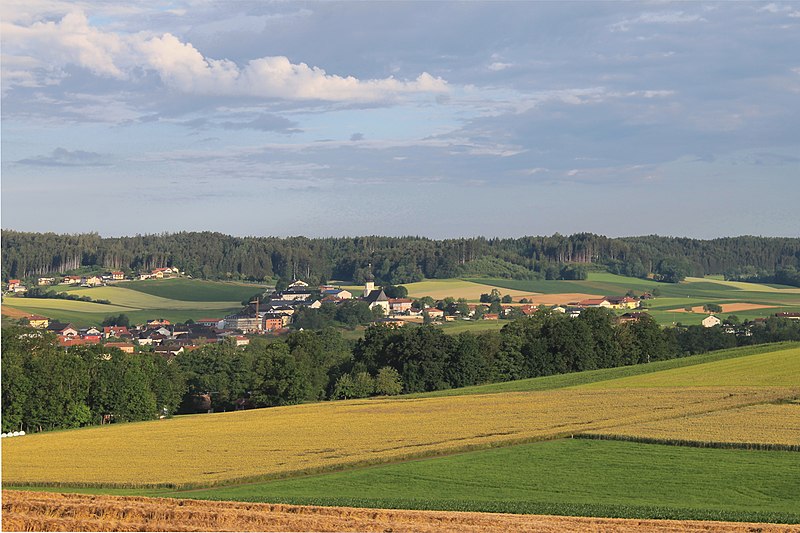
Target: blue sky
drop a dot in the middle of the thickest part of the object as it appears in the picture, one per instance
(401, 118)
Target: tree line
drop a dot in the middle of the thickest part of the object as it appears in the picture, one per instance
(46, 387)
(394, 260)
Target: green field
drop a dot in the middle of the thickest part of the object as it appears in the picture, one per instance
(566, 477)
(193, 290)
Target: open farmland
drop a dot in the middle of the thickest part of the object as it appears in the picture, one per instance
(31, 511)
(456, 288)
(174, 299)
(197, 450)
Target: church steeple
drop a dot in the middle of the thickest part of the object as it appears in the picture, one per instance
(369, 281)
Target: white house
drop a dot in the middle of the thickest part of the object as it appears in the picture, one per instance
(710, 321)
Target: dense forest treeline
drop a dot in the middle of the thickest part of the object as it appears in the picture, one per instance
(47, 387)
(396, 259)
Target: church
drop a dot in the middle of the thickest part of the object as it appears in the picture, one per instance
(375, 297)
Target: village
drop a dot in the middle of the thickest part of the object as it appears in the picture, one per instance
(275, 313)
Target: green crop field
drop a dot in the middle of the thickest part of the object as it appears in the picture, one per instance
(193, 290)
(567, 477)
(46, 305)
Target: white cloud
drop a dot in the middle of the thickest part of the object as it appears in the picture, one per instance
(498, 66)
(661, 17)
(73, 41)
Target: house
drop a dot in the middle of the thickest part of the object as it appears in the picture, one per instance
(338, 293)
(632, 317)
(115, 331)
(298, 283)
(91, 281)
(789, 315)
(72, 280)
(595, 302)
(710, 321)
(38, 321)
(157, 322)
(400, 305)
(558, 309)
(622, 302)
(117, 275)
(211, 322)
(434, 312)
(296, 293)
(65, 330)
(124, 346)
(491, 316)
(13, 284)
(528, 309)
(45, 281)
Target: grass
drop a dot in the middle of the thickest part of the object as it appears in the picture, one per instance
(604, 375)
(193, 290)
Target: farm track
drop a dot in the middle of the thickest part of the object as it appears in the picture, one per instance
(36, 511)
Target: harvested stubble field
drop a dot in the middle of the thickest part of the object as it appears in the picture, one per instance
(36, 511)
(767, 425)
(205, 450)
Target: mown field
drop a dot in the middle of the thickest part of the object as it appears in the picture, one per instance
(490, 450)
(37, 511)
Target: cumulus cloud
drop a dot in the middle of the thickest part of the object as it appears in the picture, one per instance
(73, 41)
(61, 157)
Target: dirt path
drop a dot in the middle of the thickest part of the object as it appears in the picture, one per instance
(40, 511)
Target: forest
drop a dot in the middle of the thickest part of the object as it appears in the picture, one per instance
(398, 260)
(45, 387)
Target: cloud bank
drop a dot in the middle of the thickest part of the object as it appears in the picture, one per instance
(73, 41)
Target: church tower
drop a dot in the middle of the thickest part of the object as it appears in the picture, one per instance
(369, 283)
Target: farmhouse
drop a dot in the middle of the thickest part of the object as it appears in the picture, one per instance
(789, 315)
(116, 331)
(433, 312)
(117, 275)
(341, 294)
(65, 330)
(595, 302)
(400, 305)
(622, 302)
(124, 346)
(211, 322)
(91, 281)
(711, 321)
(38, 321)
(72, 280)
(46, 281)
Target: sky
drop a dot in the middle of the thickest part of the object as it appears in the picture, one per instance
(401, 118)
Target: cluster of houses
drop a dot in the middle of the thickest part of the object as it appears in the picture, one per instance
(93, 280)
(164, 338)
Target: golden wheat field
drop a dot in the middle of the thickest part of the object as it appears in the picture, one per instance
(38, 511)
(758, 424)
(259, 444)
